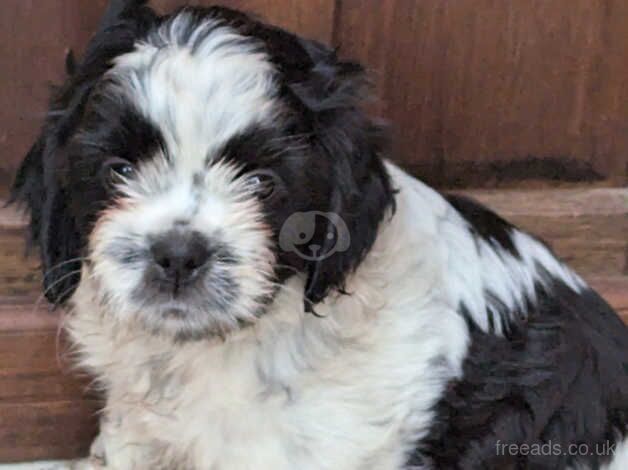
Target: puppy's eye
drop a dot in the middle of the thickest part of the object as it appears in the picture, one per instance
(116, 166)
(262, 183)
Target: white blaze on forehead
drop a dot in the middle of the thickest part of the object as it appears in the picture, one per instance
(200, 85)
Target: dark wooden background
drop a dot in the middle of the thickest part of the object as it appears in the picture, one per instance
(525, 98)
(479, 92)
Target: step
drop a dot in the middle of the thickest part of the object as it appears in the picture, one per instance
(587, 228)
(44, 412)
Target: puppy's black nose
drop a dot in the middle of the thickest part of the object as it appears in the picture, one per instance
(180, 255)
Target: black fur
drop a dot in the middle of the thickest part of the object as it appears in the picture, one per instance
(484, 223)
(558, 375)
(561, 378)
(361, 191)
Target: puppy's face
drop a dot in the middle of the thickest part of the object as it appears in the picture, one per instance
(176, 154)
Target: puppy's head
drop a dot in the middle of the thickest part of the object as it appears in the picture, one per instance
(191, 163)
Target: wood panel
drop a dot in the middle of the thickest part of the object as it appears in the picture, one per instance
(34, 35)
(34, 365)
(20, 277)
(44, 410)
(46, 430)
(310, 18)
(484, 90)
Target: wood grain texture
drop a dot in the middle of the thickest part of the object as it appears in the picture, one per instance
(33, 368)
(474, 86)
(45, 411)
(310, 18)
(19, 274)
(570, 202)
(24, 316)
(34, 35)
(587, 228)
(60, 429)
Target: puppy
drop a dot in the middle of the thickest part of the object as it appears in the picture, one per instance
(254, 286)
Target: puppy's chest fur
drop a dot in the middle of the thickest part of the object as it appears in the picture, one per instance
(354, 389)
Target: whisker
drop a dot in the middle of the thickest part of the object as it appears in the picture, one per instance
(60, 328)
(58, 265)
(287, 138)
(288, 150)
(51, 286)
(58, 304)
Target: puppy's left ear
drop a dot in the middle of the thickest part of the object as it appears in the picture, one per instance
(333, 94)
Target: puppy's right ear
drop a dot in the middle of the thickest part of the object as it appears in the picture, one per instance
(39, 189)
(52, 228)
(28, 187)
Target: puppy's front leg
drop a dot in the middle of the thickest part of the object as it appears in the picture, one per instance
(121, 444)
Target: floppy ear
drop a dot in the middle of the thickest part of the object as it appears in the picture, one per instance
(52, 228)
(332, 94)
(38, 184)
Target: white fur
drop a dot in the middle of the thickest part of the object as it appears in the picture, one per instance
(352, 390)
(472, 272)
(199, 93)
(620, 457)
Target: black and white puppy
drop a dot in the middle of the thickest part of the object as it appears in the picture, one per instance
(255, 287)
